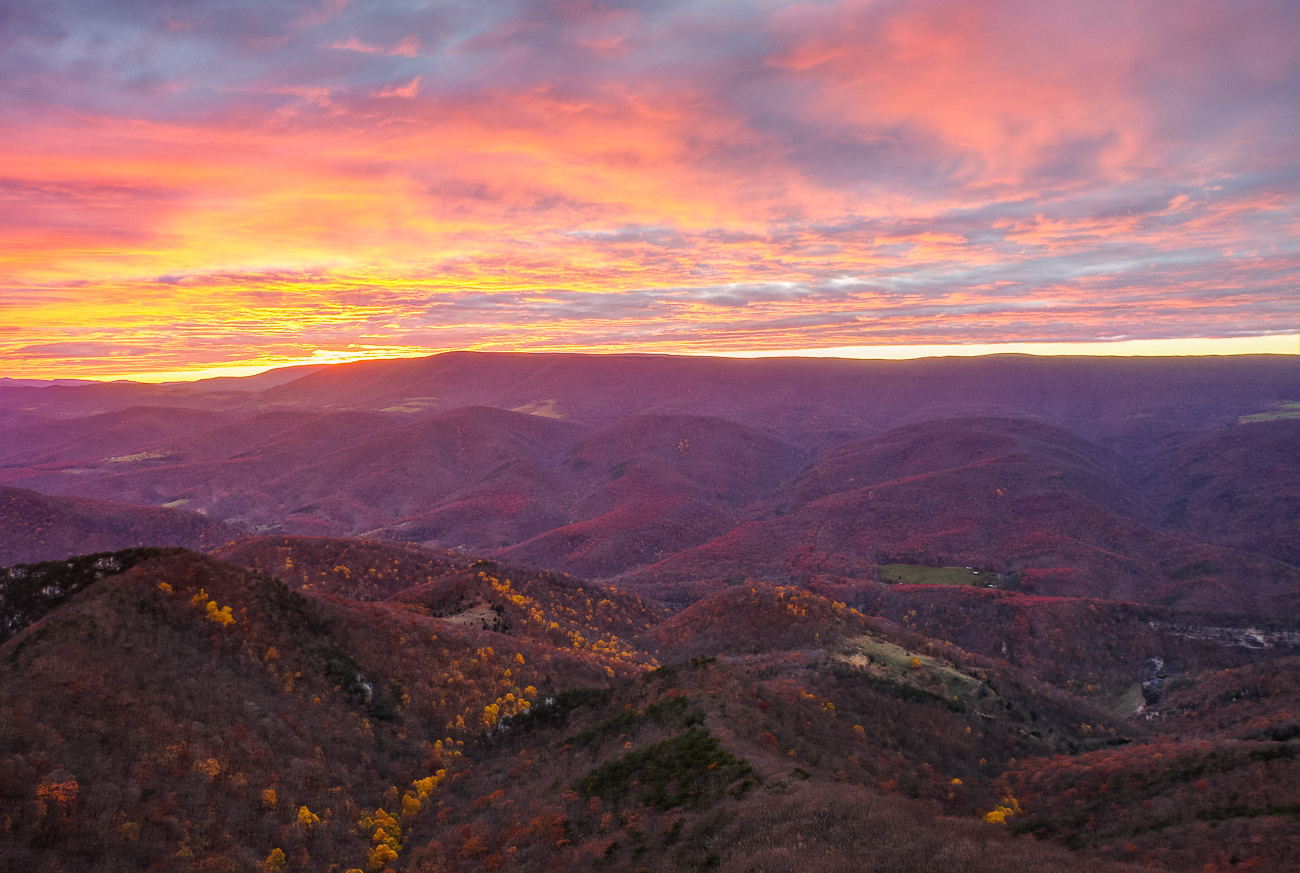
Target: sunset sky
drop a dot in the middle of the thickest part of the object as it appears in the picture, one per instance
(247, 183)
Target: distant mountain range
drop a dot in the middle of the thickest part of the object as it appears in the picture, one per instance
(1173, 481)
(9, 382)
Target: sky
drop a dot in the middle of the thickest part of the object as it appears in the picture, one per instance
(229, 185)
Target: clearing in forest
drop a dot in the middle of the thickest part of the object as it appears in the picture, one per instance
(918, 574)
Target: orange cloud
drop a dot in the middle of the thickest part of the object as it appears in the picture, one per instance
(828, 175)
(1005, 96)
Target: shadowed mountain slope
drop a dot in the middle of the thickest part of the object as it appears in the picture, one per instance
(1238, 486)
(34, 527)
(996, 493)
(75, 401)
(938, 449)
(102, 436)
(651, 486)
(408, 470)
(648, 514)
(232, 487)
(514, 502)
(736, 465)
(230, 440)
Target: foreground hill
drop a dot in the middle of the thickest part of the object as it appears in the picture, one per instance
(1125, 654)
(256, 701)
(192, 714)
(1218, 787)
(539, 606)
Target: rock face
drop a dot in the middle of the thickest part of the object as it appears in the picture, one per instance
(1153, 686)
(30, 591)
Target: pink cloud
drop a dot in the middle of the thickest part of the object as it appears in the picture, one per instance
(1002, 95)
(352, 44)
(408, 47)
(410, 89)
(575, 176)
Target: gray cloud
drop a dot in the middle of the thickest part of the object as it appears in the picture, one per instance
(1148, 183)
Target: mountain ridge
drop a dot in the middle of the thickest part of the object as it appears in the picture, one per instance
(678, 474)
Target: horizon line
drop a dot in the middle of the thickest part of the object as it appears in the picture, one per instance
(1270, 344)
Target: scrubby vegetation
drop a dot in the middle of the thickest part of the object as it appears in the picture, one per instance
(355, 705)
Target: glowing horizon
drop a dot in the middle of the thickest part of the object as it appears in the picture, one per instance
(276, 182)
(1282, 344)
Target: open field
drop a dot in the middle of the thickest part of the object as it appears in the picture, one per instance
(1288, 409)
(891, 663)
(918, 574)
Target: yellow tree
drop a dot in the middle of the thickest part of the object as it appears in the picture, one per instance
(306, 818)
(220, 616)
(275, 862)
(381, 857)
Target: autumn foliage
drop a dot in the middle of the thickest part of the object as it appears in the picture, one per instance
(489, 717)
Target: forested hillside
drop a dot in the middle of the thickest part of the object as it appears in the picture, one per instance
(334, 704)
(550, 612)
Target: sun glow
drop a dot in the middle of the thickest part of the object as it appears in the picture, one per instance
(856, 179)
(1281, 344)
(1287, 344)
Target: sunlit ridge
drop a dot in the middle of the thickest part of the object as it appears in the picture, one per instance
(1279, 344)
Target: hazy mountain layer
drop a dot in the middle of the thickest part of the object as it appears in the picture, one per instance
(34, 527)
(1110, 478)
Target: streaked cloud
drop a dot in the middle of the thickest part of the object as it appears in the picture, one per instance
(409, 90)
(408, 47)
(274, 181)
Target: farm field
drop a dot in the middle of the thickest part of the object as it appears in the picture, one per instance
(919, 574)
(1288, 409)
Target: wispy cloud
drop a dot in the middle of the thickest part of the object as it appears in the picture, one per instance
(287, 177)
(408, 47)
(409, 90)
